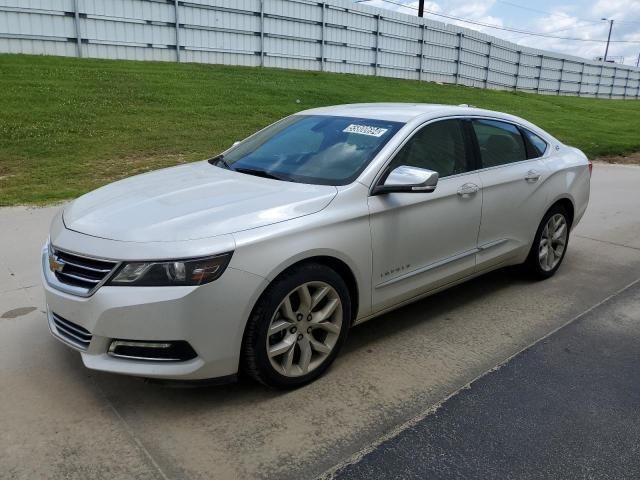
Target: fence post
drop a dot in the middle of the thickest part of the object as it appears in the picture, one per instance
(599, 81)
(539, 73)
(375, 68)
(486, 77)
(323, 6)
(581, 79)
(561, 74)
(76, 21)
(262, 33)
(176, 10)
(613, 81)
(626, 84)
(458, 58)
(424, 29)
(515, 83)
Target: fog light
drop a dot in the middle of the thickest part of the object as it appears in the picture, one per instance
(169, 351)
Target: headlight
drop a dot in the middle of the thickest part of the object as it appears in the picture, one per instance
(171, 273)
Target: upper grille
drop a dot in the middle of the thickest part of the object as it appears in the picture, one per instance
(78, 271)
(72, 333)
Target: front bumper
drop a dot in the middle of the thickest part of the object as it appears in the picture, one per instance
(211, 318)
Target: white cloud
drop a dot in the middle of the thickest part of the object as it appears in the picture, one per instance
(617, 9)
(472, 10)
(564, 20)
(574, 27)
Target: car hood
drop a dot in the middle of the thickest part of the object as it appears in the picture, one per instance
(189, 202)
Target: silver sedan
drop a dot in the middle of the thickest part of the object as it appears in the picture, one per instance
(260, 259)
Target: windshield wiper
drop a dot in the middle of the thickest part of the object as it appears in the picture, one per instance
(219, 161)
(261, 173)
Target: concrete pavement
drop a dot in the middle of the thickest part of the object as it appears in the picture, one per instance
(60, 420)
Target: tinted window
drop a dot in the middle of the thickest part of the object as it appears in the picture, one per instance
(316, 149)
(439, 146)
(500, 143)
(537, 145)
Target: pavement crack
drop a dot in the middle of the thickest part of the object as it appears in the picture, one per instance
(132, 434)
(608, 242)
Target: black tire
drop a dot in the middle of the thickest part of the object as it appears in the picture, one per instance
(255, 361)
(532, 264)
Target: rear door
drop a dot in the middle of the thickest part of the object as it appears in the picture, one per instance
(513, 201)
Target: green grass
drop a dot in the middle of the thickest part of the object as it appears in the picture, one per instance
(70, 125)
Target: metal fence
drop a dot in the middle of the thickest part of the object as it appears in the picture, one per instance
(336, 36)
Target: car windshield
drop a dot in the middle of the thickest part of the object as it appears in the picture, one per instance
(318, 149)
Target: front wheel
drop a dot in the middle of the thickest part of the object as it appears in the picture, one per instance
(550, 243)
(297, 327)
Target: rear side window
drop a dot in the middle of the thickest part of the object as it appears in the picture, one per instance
(537, 146)
(439, 146)
(500, 142)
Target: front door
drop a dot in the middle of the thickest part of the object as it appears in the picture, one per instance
(424, 240)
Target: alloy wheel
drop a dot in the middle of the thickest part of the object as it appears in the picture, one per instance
(553, 241)
(304, 329)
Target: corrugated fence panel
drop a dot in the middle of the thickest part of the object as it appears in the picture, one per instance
(352, 19)
(248, 6)
(548, 74)
(503, 66)
(199, 16)
(130, 9)
(337, 36)
(349, 37)
(53, 5)
(295, 10)
(36, 24)
(440, 67)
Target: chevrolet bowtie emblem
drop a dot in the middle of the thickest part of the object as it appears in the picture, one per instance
(55, 264)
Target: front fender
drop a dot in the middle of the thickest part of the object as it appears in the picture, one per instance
(341, 231)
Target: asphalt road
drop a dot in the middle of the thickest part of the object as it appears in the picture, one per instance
(565, 408)
(59, 420)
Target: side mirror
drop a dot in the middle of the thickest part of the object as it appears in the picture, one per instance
(408, 179)
(237, 142)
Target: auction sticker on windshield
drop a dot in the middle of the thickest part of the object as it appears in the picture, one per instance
(365, 130)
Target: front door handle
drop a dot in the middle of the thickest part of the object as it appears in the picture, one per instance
(468, 189)
(532, 176)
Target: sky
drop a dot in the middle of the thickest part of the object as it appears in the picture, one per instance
(564, 18)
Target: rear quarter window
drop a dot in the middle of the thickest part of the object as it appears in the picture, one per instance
(536, 145)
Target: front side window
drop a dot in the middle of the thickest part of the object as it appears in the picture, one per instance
(317, 149)
(500, 143)
(439, 146)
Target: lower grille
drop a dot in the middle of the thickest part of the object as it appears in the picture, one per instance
(72, 333)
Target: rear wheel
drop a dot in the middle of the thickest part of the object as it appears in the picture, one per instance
(550, 243)
(297, 327)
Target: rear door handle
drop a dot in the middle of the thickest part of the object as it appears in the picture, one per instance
(532, 176)
(468, 189)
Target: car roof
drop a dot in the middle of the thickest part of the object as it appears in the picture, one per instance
(401, 112)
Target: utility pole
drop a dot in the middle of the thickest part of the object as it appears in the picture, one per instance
(638, 61)
(606, 50)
